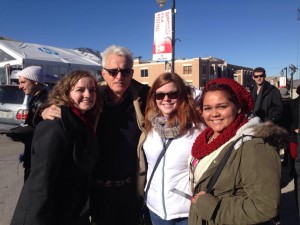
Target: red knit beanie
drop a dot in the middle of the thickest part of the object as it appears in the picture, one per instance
(244, 97)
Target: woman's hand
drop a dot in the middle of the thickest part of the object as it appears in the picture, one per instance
(195, 197)
(51, 113)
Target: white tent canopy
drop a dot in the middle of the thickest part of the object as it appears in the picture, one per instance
(37, 52)
(55, 61)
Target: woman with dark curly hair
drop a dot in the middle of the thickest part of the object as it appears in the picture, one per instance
(64, 152)
(247, 190)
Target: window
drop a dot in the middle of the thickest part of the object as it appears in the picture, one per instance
(5, 57)
(203, 83)
(203, 69)
(187, 69)
(144, 72)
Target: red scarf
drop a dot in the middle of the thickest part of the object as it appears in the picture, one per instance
(200, 147)
(85, 119)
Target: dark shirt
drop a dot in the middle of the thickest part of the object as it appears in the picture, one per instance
(118, 136)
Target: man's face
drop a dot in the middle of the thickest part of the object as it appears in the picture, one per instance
(259, 78)
(26, 85)
(120, 81)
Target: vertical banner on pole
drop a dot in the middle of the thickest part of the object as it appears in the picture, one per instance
(162, 47)
(282, 82)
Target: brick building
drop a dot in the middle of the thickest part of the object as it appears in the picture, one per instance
(195, 71)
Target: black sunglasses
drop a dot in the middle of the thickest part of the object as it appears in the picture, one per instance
(171, 95)
(114, 72)
(257, 76)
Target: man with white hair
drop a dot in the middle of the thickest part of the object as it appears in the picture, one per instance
(31, 81)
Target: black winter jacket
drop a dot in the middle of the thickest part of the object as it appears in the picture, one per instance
(26, 137)
(56, 191)
(268, 103)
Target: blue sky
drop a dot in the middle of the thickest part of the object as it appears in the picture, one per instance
(243, 32)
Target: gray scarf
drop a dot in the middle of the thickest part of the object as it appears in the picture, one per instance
(164, 129)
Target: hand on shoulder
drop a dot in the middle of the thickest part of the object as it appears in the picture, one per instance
(51, 113)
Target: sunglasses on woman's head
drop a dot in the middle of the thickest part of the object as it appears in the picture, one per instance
(114, 72)
(171, 95)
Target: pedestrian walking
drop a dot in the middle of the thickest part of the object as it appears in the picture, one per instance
(31, 81)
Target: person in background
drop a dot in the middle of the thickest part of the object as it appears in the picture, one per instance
(297, 170)
(294, 129)
(31, 82)
(268, 102)
(248, 188)
(294, 146)
(64, 152)
(115, 190)
(170, 115)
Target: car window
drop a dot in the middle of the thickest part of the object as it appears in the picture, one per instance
(11, 95)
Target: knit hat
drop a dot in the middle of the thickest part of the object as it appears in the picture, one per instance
(244, 97)
(34, 73)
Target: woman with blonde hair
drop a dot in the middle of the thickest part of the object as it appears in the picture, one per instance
(64, 152)
(170, 119)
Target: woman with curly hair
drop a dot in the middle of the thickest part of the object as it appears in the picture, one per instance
(170, 115)
(247, 190)
(64, 152)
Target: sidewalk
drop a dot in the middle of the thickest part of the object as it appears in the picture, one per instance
(288, 210)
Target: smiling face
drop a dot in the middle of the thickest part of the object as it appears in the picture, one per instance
(218, 111)
(83, 94)
(120, 82)
(168, 104)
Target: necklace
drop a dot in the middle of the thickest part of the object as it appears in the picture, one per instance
(211, 138)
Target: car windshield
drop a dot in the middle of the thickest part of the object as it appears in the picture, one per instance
(11, 95)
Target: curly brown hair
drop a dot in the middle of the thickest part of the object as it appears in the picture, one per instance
(59, 95)
(185, 114)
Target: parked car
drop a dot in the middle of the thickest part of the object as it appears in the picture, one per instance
(13, 106)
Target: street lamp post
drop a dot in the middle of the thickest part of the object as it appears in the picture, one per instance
(286, 76)
(173, 10)
(293, 70)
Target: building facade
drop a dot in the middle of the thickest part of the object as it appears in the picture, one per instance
(195, 71)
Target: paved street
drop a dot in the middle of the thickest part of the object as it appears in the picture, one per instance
(11, 177)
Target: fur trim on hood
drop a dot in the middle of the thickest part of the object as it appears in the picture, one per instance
(272, 134)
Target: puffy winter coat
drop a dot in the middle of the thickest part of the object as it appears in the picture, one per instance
(248, 188)
(172, 172)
